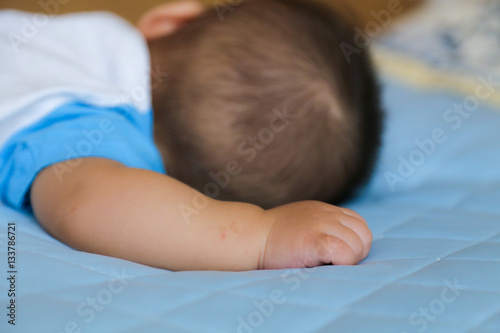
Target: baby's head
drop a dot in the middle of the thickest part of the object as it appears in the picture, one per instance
(263, 107)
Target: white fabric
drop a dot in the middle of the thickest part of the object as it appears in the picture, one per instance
(47, 61)
(461, 36)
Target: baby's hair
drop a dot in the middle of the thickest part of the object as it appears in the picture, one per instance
(266, 101)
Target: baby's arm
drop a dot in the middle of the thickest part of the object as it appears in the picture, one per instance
(106, 208)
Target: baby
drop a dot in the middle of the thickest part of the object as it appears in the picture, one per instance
(254, 117)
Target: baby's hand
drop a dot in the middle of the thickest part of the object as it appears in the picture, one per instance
(312, 233)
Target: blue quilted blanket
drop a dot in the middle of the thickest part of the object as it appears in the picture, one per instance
(434, 208)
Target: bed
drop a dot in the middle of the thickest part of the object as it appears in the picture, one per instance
(433, 205)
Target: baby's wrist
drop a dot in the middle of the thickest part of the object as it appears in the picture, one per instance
(266, 224)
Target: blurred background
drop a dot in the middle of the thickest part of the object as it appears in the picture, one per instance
(132, 10)
(430, 43)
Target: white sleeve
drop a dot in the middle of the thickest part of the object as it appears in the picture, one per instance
(47, 61)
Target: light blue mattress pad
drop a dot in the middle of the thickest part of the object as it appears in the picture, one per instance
(434, 265)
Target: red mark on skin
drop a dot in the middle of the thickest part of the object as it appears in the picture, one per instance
(222, 233)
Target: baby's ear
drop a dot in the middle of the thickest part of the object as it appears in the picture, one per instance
(166, 19)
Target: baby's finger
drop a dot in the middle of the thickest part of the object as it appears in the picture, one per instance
(361, 230)
(352, 213)
(332, 249)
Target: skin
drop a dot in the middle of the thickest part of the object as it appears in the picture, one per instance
(107, 208)
(104, 207)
